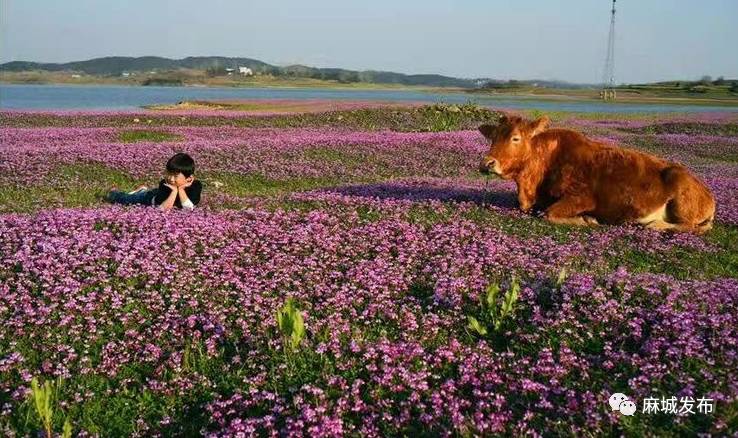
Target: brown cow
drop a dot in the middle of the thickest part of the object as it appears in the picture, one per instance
(584, 182)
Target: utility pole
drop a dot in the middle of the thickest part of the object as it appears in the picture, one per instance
(608, 76)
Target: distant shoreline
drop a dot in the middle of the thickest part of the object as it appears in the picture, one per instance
(550, 95)
(621, 100)
(25, 78)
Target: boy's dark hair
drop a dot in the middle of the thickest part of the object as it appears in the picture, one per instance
(183, 163)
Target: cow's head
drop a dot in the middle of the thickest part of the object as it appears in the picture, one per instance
(510, 144)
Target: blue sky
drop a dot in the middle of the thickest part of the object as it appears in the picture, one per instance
(505, 39)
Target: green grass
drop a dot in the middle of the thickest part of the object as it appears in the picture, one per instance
(700, 156)
(116, 415)
(82, 185)
(139, 135)
(332, 155)
(725, 157)
(684, 93)
(258, 185)
(85, 185)
(690, 128)
(406, 119)
(73, 185)
(684, 263)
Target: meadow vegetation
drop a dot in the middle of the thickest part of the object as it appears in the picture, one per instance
(349, 272)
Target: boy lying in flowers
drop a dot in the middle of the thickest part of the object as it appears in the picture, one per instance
(178, 189)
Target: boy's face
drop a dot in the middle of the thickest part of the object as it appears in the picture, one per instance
(177, 179)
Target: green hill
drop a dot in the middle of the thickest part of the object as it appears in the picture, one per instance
(117, 65)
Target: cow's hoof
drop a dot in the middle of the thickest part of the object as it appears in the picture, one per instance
(589, 220)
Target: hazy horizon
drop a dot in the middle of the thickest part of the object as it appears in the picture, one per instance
(655, 40)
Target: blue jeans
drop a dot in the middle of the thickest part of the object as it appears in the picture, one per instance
(144, 197)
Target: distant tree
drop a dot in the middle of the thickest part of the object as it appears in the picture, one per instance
(706, 80)
(719, 81)
(493, 84)
(348, 76)
(366, 76)
(215, 71)
(330, 76)
(734, 87)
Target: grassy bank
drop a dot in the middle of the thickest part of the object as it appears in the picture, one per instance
(706, 95)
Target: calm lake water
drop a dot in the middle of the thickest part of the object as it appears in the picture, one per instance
(117, 98)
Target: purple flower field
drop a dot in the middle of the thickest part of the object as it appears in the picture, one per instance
(164, 324)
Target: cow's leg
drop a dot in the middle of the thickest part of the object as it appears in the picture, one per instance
(570, 210)
(682, 228)
(656, 220)
(526, 197)
(690, 207)
(576, 220)
(662, 225)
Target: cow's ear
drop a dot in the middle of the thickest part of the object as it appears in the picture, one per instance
(488, 131)
(539, 126)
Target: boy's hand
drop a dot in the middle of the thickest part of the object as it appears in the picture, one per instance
(187, 184)
(173, 188)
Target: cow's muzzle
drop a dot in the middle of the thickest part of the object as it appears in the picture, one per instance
(487, 165)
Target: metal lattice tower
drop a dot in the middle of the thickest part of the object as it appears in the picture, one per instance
(608, 75)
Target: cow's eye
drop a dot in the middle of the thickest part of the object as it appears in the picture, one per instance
(515, 139)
